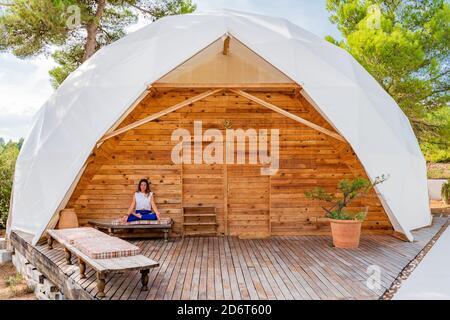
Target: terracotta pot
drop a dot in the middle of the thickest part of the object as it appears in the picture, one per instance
(67, 219)
(346, 233)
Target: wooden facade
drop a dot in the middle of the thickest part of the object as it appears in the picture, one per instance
(247, 203)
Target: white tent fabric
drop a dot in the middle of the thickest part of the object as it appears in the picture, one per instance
(98, 93)
(430, 280)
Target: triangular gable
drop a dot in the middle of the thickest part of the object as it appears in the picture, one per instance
(225, 62)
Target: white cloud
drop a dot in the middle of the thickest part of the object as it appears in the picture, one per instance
(24, 87)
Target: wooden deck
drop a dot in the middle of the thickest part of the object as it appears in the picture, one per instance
(300, 267)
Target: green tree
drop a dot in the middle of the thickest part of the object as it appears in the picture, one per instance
(8, 156)
(405, 45)
(76, 28)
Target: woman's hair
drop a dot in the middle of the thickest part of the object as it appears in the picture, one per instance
(147, 189)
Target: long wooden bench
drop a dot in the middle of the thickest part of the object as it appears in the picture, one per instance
(103, 266)
(112, 228)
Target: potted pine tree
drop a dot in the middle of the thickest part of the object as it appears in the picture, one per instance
(345, 226)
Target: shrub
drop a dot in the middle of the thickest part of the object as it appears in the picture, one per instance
(445, 192)
(8, 157)
(350, 189)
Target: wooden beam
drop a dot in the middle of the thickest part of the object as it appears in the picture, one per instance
(226, 46)
(262, 86)
(288, 114)
(160, 114)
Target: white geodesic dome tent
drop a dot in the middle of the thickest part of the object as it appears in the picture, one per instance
(99, 93)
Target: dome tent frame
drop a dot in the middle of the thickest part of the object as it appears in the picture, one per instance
(96, 97)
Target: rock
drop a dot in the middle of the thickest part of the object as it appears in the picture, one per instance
(5, 256)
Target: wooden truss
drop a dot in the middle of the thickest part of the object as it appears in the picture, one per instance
(235, 89)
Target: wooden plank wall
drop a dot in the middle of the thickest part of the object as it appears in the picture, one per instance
(247, 203)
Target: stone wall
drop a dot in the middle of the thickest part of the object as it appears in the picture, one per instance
(43, 288)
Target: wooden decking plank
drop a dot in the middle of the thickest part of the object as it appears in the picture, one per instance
(308, 268)
(374, 259)
(156, 276)
(192, 291)
(309, 281)
(223, 262)
(218, 285)
(210, 283)
(243, 289)
(234, 285)
(114, 280)
(344, 273)
(303, 272)
(110, 284)
(245, 271)
(121, 281)
(277, 292)
(149, 249)
(290, 292)
(330, 269)
(162, 274)
(254, 276)
(203, 271)
(168, 283)
(268, 291)
(185, 290)
(274, 270)
(352, 275)
(333, 270)
(299, 274)
(153, 252)
(179, 281)
(360, 263)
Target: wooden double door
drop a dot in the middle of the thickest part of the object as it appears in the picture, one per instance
(248, 201)
(240, 194)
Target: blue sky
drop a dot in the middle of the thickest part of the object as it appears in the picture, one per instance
(25, 84)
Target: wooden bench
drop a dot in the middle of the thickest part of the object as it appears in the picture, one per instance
(111, 228)
(103, 266)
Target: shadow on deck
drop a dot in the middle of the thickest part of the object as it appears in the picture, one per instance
(301, 267)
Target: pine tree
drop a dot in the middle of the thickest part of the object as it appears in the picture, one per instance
(405, 45)
(76, 28)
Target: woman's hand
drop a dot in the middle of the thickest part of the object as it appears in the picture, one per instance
(154, 208)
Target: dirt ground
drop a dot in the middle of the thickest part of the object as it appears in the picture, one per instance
(439, 207)
(12, 286)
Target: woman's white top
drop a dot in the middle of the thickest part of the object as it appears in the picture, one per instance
(143, 201)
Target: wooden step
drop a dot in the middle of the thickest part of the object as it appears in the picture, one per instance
(199, 233)
(199, 215)
(200, 223)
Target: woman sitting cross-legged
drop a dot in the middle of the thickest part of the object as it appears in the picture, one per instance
(143, 206)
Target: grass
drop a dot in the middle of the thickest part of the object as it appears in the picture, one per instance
(14, 280)
(439, 171)
(12, 284)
